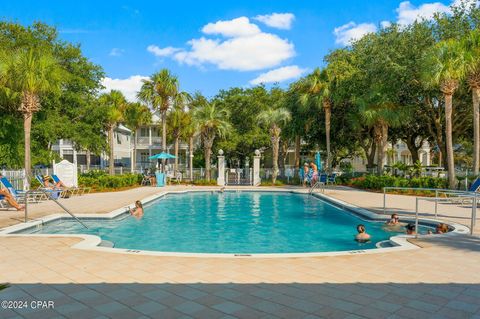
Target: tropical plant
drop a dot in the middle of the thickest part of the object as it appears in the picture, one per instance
(445, 67)
(315, 88)
(211, 122)
(177, 119)
(472, 53)
(115, 104)
(161, 91)
(274, 119)
(136, 115)
(26, 75)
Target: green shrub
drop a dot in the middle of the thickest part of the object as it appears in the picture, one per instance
(205, 182)
(102, 181)
(375, 182)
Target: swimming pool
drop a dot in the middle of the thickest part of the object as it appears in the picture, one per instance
(244, 222)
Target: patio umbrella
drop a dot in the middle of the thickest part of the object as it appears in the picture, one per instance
(162, 156)
(318, 161)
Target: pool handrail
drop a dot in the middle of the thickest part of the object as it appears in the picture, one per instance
(49, 195)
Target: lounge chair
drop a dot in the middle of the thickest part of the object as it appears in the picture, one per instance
(73, 190)
(465, 197)
(20, 196)
(331, 179)
(52, 191)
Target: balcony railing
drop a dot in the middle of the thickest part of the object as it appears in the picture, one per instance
(145, 140)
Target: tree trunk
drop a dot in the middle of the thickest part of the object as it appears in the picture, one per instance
(190, 163)
(27, 126)
(134, 157)
(449, 140)
(111, 160)
(413, 148)
(328, 114)
(275, 147)
(208, 144)
(381, 137)
(297, 154)
(176, 152)
(476, 129)
(164, 137)
(88, 159)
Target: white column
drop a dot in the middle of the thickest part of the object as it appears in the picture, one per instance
(256, 168)
(150, 136)
(74, 156)
(221, 169)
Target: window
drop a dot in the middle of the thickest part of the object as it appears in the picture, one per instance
(144, 132)
(119, 139)
(144, 157)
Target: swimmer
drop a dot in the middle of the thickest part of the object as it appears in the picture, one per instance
(137, 212)
(362, 235)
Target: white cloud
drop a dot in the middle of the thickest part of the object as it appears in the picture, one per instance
(351, 31)
(242, 46)
(279, 75)
(277, 20)
(162, 52)
(116, 52)
(260, 51)
(407, 13)
(385, 24)
(239, 27)
(129, 86)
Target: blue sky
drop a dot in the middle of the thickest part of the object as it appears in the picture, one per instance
(212, 45)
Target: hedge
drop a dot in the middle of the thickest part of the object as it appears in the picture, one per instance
(102, 181)
(375, 182)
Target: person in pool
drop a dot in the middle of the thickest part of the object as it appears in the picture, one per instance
(410, 229)
(394, 220)
(137, 212)
(362, 235)
(440, 229)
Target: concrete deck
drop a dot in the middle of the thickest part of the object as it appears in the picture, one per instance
(442, 280)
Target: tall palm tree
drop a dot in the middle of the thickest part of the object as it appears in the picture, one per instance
(177, 122)
(26, 75)
(160, 92)
(212, 121)
(135, 116)
(471, 46)
(116, 104)
(274, 119)
(315, 88)
(444, 66)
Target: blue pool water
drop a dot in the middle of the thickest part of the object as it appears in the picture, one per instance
(232, 222)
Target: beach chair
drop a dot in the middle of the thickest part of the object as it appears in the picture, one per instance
(54, 192)
(146, 180)
(331, 179)
(463, 197)
(72, 190)
(20, 196)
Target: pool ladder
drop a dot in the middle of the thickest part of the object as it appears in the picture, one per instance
(319, 185)
(49, 195)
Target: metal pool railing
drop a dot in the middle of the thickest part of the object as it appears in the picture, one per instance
(455, 196)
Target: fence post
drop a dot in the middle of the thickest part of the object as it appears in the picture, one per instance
(436, 202)
(416, 217)
(474, 213)
(384, 200)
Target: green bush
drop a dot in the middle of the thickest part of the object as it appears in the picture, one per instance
(205, 182)
(375, 182)
(101, 181)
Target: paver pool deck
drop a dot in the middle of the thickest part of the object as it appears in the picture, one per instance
(441, 280)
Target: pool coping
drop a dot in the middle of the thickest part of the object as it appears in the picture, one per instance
(92, 242)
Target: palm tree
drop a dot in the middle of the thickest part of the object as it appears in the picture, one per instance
(177, 122)
(444, 66)
(26, 75)
(116, 104)
(136, 115)
(212, 121)
(160, 92)
(471, 46)
(315, 88)
(274, 119)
